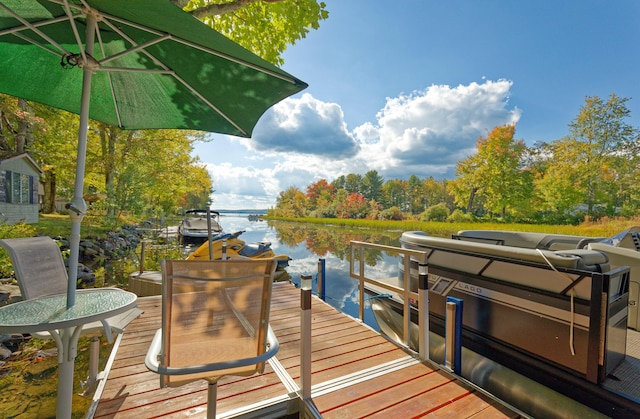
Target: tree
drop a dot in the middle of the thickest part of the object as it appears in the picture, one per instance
(435, 192)
(320, 193)
(291, 203)
(353, 183)
(199, 194)
(395, 194)
(265, 27)
(557, 182)
(354, 206)
(51, 139)
(372, 185)
(595, 165)
(496, 172)
(467, 183)
(17, 122)
(147, 170)
(339, 182)
(601, 128)
(415, 195)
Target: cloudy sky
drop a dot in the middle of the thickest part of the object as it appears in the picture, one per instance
(406, 87)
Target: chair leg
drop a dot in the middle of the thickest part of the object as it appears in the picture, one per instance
(212, 398)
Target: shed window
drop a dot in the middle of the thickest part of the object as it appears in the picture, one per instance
(19, 188)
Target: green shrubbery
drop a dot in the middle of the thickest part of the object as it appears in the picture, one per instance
(438, 212)
(392, 213)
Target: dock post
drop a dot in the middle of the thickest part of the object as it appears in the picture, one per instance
(453, 335)
(305, 336)
(423, 312)
(142, 251)
(321, 279)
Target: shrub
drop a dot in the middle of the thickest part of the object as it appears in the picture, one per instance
(458, 216)
(438, 212)
(392, 213)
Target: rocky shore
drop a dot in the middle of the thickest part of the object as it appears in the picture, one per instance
(96, 250)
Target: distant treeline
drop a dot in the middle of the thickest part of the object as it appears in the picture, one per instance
(592, 172)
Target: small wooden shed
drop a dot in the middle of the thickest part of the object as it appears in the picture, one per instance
(19, 186)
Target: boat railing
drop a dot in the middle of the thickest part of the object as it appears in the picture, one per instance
(357, 270)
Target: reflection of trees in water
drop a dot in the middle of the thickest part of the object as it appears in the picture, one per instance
(325, 239)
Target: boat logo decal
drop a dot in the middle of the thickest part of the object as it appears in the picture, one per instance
(470, 288)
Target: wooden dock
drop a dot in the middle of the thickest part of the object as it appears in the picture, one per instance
(355, 373)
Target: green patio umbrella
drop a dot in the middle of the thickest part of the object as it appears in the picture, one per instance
(136, 64)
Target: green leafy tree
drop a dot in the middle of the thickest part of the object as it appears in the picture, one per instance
(339, 182)
(265, 27)
(606, 137)
(372, 185)
(466, 185)
(415, 195)
(394, 193)
(435, 192)
(140, 171)
(199, 193)
(595, 164)
(496, 172)
(558, 184)
(54, 148)
(353, 183)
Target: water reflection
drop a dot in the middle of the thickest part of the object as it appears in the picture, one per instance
(307, 243)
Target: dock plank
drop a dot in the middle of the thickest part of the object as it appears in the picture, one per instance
(342, 347)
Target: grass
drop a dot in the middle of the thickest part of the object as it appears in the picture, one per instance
(605, 227)
(60, 225)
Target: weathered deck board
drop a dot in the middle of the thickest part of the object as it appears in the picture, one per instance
(342, 348)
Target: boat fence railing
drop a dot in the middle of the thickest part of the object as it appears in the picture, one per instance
(357, 270)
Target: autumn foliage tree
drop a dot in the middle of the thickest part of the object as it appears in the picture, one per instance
(354, 206)
(496, 173)
(321, 196)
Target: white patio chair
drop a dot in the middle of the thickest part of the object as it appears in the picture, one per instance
(215, 322)
(40, 271)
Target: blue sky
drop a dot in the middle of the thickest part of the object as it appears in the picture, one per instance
(407, 87)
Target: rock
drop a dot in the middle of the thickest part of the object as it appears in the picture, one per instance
(4, 351)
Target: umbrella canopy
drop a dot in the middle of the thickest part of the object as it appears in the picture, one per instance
(136, 64)
(154, 66)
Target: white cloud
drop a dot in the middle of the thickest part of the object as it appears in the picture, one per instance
(303, 140)
(427, 132)
(306, 126)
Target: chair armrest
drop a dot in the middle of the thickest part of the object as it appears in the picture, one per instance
(152, 359)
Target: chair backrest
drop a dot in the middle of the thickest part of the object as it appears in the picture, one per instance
(38, 265)
(214, 312)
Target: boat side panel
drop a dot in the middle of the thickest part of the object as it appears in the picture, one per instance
(543, 328)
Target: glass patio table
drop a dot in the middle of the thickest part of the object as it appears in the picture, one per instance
(50, 314)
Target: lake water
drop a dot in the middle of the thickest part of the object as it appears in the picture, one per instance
(305, 244)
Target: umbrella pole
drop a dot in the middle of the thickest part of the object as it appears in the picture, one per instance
(78, 206)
